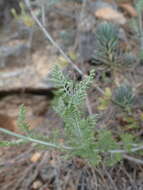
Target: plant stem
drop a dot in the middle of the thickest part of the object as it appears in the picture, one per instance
(48, 36)
(34, 140)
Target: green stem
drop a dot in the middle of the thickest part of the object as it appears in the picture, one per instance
(34, 140)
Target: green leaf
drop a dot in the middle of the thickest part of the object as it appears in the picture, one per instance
(114, 159)
(124, 95)
(127, 140)
(106, 141)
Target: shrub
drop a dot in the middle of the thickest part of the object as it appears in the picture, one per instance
(107, 42)
(124, 95)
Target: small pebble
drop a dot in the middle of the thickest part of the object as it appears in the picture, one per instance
(37, 184)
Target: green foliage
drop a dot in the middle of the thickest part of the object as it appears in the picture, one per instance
(107, 42)
(105, 100)
(81, 138)
(108, 50)
(11, 143)
(136, 24)
(139, 6)
(24, 17)
(106, 141)
(72, 97)
(107, 34)
(114, 158)
(127, 140)
(22, 124)
(124, 96)
(28, 134)
(129, 59)
(78, 129)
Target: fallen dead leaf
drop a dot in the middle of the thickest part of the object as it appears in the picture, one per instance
(110, 14)
(35, 157)
(79, 163)
(129, 9)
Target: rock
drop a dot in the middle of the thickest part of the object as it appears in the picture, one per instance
(107, 11)
(19, 69)
(10, 52)
(110, 14)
